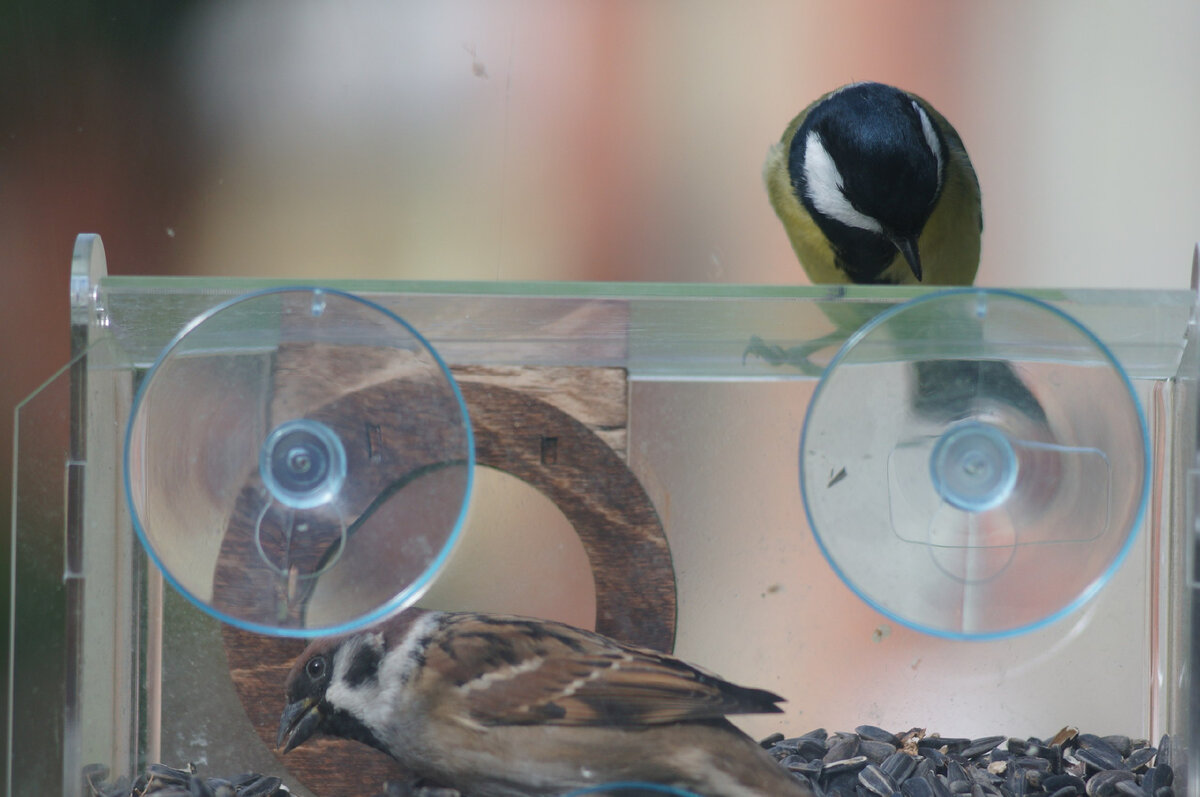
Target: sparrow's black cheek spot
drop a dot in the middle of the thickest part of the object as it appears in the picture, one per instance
(364, 666)
(345, 726)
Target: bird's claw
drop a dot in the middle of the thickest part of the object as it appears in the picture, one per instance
(796, 356)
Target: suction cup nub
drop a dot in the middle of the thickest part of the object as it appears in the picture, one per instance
(302, 463)
(973, 467)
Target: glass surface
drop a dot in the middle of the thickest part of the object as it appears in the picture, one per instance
(713, 441)
(37, 684)
(669, 331)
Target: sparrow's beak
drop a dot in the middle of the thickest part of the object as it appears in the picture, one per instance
(299, 721)
(908, 248)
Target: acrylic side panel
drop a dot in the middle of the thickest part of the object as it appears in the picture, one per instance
(77, 635)
(760, 604)
(38, 667)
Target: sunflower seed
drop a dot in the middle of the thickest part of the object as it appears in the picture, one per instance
(1065, 735)
(898, 766)
(844, 783)
(1122, 744)
(1139, 758)
(936, 756)
(916, 787)
(198, 788)
(1059, 781)
(1099, 758)
(940, 786)
(263, 787)
(876, 781)
(1130, 788)
(1016, 781)
(1069, 791)
(242, 780)
(810, 748)
(945, 743)
(167, 775)
(1030, 762)
(1104, 784)
(809, 769)
(875, 734)
(980, 746)
(875, 751)
(1158, 777)
(955, 771)
(1164, 752)
(1100, 745)
(845, 765)
(842, 746)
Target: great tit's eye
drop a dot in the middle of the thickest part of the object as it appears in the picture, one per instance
(315, 668)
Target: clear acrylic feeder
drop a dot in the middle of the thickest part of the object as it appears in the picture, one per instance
(969, 512)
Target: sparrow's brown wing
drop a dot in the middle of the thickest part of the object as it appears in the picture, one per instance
(511, 670)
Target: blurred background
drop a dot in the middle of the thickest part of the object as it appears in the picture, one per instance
(533, 140)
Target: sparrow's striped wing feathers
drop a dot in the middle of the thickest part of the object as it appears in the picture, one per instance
(511, 671)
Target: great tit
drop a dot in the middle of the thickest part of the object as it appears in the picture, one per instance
(874, 186)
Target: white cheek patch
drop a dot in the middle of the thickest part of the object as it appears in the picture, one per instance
(357, 700)
(825, 187)
(377, 701)
(935, 146)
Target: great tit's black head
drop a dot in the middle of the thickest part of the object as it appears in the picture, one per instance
(868, 164)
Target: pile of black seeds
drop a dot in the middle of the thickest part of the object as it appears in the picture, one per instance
(872, 762)
(160, 780)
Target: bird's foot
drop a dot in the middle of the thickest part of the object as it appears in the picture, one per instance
(799, 357)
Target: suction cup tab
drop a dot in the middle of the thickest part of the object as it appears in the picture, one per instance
(299, 462)
(995, 460)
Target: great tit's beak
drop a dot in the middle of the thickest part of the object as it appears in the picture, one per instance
(908, 248)
(298, 722)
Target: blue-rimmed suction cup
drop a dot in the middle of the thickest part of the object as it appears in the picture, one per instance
(631, 789)
(974, 463)
(298, 461)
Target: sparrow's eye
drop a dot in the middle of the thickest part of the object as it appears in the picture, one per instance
(315, 668)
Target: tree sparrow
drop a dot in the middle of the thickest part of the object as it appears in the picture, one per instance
(502, 706)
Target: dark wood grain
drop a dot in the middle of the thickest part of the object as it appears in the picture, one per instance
(516, 433)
